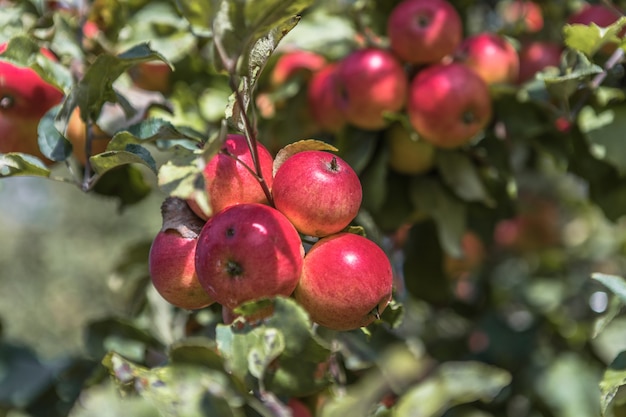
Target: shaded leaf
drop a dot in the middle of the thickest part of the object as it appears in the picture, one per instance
(613, 379)
(120, 335)
(373, 180)
(52, 143)
(126, 183)
(605, 133)
(461, 175)
(453, 383)
(200, 15)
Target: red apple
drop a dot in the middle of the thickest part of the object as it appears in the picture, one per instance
(491, 56)
(537, 55)
(322, 103)
(526, 15)
(293, 62)
(247, 252)
(346, 282)
(449, 104)
(370, 82)
(318, 192)
(152, 76)
(227, 180)
(424, 31)
(298, 409)
(172, 257)
(24, 98)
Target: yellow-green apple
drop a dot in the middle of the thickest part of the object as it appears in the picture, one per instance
(318, 192)
(294, 62)
(522, 15)
(247, 252)
(491, 56)
(449, 104)
(152, 76)
(424, 31)
(321, 101)
(537, 55)
(346, 282)
(408, 154)
(172, 257)
(227, 179)
(24, 98)
(370, 82)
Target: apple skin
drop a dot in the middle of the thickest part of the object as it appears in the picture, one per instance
(537, 55)
(247, 252)
(298, 409)
(321, 101)
(407, 155)
(171, 259)
(228, 182)
(318, 192)
(24, 98)
(152, 76)
(293, 62)
(344, 279)
(526, 15)
(424, 31)
(449, 104)
(491, 56)
(77, 135)
(370, 82)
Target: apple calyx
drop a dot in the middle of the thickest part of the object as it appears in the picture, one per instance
(234, 268)
(375, 313)
(178, 216)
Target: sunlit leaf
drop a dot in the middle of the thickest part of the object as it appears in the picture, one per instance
(17, 164)
(616, 284)
(613, 379)
(589, 39)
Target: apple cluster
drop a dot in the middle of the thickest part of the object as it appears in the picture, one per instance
(252, 243)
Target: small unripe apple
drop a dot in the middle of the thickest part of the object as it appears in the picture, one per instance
(537, 55)
(293, 62)
(370, 82)
(24, 98)
(522, 14)
(228, 181)
(408, 155)
(449, 104)
(346, 282)
(247, 252)
(424, 31)
(318, 192)
(172, 257)
(152, 76)
(491, 56)
(321, 100)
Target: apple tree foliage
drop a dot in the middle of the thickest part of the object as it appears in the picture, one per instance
(516, 333)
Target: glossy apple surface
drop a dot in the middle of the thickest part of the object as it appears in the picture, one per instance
(536, 56)
(321, 101)
(449, 104)
(346, 282)
(318, 192)
(424, 31)
(247, 252)
(491, 56)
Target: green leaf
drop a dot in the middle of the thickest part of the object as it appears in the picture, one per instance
(579, 70)
(21, 164)
(373, 180)
(96, 87)
(613, 310)
(52, 143)
(613, 379)
(589, 39)
(605, 133)
(429, 196)
(357, 147)
(616, 284)
(200, 14)
(132, 154)
(453, 383)
(126, 183)
(461, 175)
(182, 177)
(120, 335)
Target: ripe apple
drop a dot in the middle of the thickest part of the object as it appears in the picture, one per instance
(491, 56)
(523, 14)
(321, 100)
(247, 252)
(408, 155)
(370, 82)
(293, 62)
(152, 76)
(227, 180)
(77, 135)
(346, 282)
(449, 104)
(172, 257)
(318, 192)
(298, 409)
(424, 31)
(537, 55)
(24, 98)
